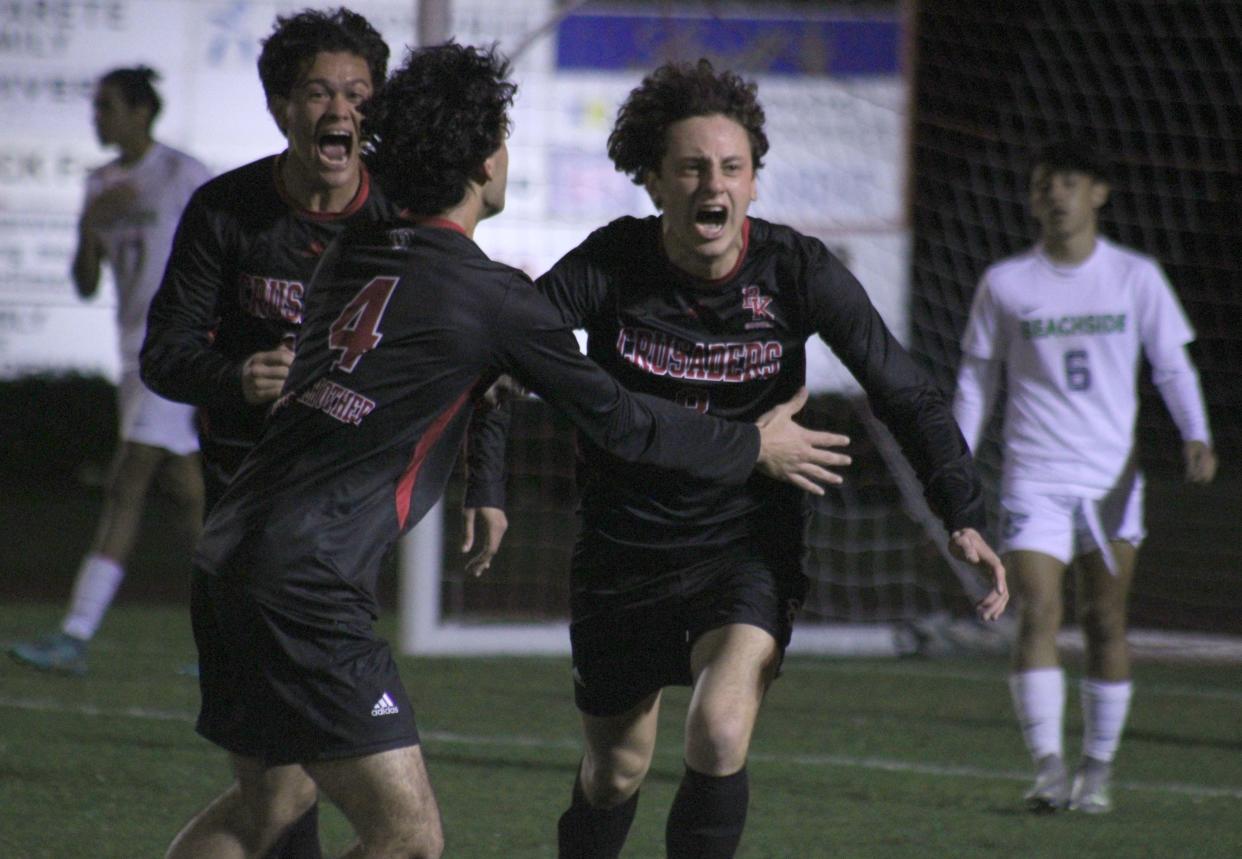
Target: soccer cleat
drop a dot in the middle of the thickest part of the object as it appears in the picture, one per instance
(1051, 789)
(59, 652)
(1090, 793)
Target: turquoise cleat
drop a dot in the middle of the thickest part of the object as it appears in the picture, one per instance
(59, 652)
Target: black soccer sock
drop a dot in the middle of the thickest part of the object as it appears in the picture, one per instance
(587, 832)
(708, 816)
(300, 840)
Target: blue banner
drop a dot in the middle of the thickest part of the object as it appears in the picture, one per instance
(840, 47)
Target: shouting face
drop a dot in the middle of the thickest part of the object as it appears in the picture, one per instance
(704, 187)
(321, 121)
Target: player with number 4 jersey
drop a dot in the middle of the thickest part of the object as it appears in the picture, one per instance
(405, 325)
(236, 286)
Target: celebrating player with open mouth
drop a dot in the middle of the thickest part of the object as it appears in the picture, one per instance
(678, 581)
(406, 323)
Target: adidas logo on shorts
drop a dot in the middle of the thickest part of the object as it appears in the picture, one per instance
(385, 706)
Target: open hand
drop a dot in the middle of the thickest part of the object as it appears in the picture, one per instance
(795, 454)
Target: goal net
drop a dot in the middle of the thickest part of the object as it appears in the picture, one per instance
(835, 94)
(917, 205)
(1155, 86)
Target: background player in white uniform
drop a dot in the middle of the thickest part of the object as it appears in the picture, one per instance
(1066, 321)
(130, 213)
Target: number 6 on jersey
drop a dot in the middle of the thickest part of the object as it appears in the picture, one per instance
(356, 331)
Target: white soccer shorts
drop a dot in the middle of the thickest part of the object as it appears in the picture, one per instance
(147, 418)
(1035, 519)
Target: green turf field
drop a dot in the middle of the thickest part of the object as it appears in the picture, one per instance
(853, 758)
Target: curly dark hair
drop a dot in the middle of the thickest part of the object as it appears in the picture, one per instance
(136, 86)
(297, 39)
(677, 91)
(439, 117)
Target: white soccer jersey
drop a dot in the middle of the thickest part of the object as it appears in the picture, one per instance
(1070, 338)
(137, 244)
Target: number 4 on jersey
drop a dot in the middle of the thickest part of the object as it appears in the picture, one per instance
(356, 331)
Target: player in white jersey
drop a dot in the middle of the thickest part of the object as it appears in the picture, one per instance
(130, 214)
(1067, 322)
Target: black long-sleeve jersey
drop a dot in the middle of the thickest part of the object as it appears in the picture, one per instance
(404, 324)
(736, 347)
(235, 285)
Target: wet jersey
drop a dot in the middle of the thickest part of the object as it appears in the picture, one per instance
(136, 244)
(235, 285)
(404, 325)
(735, 348)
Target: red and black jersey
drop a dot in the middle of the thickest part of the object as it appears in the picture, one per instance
(404, 325)
(736, 347)
(235, 285)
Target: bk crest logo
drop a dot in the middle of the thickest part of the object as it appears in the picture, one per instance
(757, 303)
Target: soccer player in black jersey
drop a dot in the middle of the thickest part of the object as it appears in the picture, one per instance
(675, 580)
(233, 293)
(220, 327)
(405, 323)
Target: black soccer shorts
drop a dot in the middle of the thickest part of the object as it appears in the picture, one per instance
(638, 613)
(291, 687)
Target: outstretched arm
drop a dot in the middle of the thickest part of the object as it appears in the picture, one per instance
(534, 343)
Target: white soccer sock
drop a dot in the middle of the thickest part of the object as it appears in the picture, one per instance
(93, 590)
(1039, 700)
(1105, 705)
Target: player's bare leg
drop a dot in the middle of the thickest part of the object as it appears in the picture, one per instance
(615, 760)
(133, 470)
(248, 818)
(387, 798)
(1037, 683)
(733, 667)
(1037, 582)
(1103, 601)
(1103, 595)
(180, 478)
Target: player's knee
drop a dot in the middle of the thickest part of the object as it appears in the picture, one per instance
(717, 741)
(184, 488)
(1103, 622)
(424, 840)
(127, 485)
(612, 779)
(298, 798)
(1041, 616)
